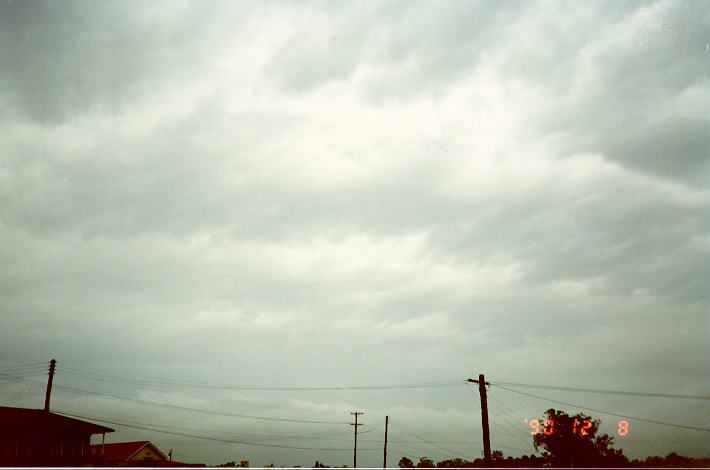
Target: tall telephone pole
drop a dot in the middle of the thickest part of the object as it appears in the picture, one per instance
(356, 414)
(48, 394)
(484, 418)
(387, 422)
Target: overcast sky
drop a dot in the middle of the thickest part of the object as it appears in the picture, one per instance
(357, 193)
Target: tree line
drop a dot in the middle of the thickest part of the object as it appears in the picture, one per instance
(567, 441)
(564, 442)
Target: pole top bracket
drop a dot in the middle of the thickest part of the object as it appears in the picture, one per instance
(476, 381)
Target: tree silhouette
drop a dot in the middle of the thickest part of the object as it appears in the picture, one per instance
(456, 463)
(573, 441)
(425, 462)
(404, 462)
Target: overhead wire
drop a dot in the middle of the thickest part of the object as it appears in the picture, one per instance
(501, 403)
(24, 368)
(232, 399)
(416, 442)
(499, 426)
(110, 375)
(653, 421)
(24, 374)
(213, 429)
(194, 436)
(183, 408)
(513, 427)
(132, 378)
(608, 392)
(93, 373)
(502, 421)
(200, 410)
(18, 377)
(505, 419)
(430, 443)
(22, 371)
(415, 452)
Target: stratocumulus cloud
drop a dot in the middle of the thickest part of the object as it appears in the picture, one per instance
(357, 193)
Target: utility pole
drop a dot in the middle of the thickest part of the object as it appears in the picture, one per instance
(48, 394)
(356, 414)
(387, 422)
(484, 418)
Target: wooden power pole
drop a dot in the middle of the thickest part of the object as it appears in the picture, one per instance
(356, 414)
(48, 394)
(387, 422)
(484, 418)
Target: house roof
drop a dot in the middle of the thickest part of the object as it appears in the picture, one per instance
(19, 420)
(122, 451)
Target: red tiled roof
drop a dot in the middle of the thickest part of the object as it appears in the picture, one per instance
(118, 453)
(34, 420)
(122, 451)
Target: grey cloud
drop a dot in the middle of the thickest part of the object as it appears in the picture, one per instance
(60, 59)
(433, 46)
(620, 99)
(208, 243)
(677, 148)
(606, 235)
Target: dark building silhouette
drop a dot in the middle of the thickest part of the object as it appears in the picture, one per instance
(31, 437)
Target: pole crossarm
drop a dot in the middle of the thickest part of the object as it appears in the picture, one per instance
(476, 381)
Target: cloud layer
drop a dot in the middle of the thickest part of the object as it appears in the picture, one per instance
(359, 193)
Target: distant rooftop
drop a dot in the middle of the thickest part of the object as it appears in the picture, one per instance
(122, 451)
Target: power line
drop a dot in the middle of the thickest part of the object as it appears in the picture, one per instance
(142, 380)
(508, 430)
(147, 428)
(449, 451)
(232, 399)
(463, 443)
(25, 373)
(21, 371)
(499, 426)
(607, 412)
(178, 407)
(213, 429)
(401, 445)
(138, 379)
(607, 392)
(92, 373)
(199, 410)
(503, 406)
(24, 366)
(502, 420)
